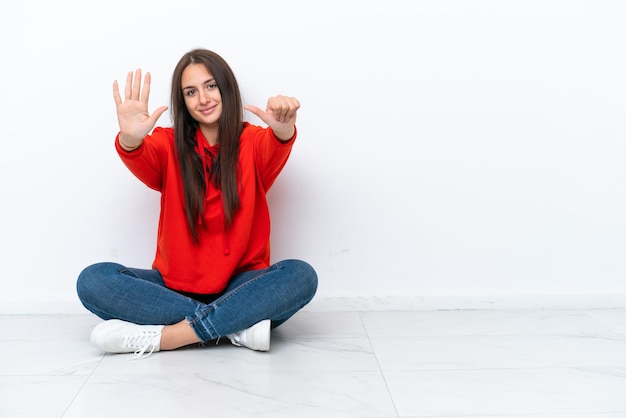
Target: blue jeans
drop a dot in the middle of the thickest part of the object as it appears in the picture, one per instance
(111, 290)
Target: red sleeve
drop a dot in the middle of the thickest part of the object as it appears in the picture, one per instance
(148, 162)
(271, 153)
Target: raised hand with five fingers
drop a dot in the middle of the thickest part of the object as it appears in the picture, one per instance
(132, 113)
(279, 114)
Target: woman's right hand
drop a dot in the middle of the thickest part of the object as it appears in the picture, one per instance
(132, 113)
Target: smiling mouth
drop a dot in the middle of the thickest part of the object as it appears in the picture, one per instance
(207, 110)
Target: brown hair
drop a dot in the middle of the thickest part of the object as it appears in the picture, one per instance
(230, 126)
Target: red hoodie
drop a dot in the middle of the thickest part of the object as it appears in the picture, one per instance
(206, 267)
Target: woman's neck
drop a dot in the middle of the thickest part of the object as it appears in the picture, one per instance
(210, 133)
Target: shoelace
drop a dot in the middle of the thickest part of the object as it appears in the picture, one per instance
(142, 341)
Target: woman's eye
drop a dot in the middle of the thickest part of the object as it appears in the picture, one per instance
(190, 92)
(211, 86)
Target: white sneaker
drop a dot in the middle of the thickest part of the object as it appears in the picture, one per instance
(257, 337)
(116, 336)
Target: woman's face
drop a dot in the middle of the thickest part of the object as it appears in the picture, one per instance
(202, 95)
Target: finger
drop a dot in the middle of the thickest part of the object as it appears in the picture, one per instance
(284, 111)
(145, 92)
(284, 108)
(273, 107)
(136, 84)
(294, 105)
(128, 86)
(157, 114)
(281, 107)
(116, 94)
(256, 110)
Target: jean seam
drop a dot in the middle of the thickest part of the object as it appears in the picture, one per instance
(129, 272)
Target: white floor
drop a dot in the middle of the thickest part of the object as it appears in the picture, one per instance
(518, 364)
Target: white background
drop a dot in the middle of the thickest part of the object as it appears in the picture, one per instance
(450, 153)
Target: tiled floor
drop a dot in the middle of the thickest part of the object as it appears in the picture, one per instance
(518, 364)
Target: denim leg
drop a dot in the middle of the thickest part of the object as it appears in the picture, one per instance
(111, 290)
(275, 293)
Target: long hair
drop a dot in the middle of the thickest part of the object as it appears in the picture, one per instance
(230, 126)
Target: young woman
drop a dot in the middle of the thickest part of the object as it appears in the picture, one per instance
(211, 276)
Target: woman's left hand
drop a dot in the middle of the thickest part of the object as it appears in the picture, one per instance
(280, 115)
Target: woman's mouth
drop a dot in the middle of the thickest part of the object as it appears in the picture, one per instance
(207, 110)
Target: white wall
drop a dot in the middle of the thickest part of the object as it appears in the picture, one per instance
(451, 153)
